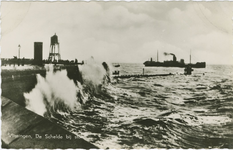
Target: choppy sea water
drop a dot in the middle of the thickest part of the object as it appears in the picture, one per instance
(176, 111)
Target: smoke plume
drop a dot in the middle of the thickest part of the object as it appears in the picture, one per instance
(165, 53)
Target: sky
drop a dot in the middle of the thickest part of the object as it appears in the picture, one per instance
(130, 32)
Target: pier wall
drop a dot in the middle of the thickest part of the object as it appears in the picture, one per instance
(15, 83)
(22, 128)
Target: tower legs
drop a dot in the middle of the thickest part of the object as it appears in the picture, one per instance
(53, 55)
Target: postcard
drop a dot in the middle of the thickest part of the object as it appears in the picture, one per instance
(116, 74)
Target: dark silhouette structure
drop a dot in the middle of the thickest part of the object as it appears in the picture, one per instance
(188, 70)
(19, 51)
(173, 63)
(54, 54)
(38, 53)
(106, 67)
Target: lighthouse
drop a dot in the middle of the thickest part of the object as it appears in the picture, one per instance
(54, 53)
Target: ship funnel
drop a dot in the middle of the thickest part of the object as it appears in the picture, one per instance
(174, 56)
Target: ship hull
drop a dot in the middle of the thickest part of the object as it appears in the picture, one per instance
(173, 64)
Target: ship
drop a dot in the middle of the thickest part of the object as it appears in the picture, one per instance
(173, 63)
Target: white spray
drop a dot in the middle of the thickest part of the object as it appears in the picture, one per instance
(93, 71)
(56, 88)
(57, 91)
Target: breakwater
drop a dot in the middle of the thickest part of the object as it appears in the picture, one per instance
(142, 75)
(16, 82)
(22, 128)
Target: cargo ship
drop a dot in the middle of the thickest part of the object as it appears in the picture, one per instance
(173, 63)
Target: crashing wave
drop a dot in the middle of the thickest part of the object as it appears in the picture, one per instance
(57, 92)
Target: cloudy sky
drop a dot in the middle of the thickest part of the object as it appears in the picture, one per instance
(120, 31)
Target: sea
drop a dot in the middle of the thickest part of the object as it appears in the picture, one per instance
(172, 112)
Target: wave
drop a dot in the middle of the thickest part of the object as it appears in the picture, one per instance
(57, 92)
(159, 112)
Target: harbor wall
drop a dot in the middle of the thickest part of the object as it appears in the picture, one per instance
(22, 128)
(15, 83)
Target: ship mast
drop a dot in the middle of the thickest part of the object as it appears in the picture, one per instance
(190, 57)
(157, 56)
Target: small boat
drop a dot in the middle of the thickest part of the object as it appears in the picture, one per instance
(117, 65)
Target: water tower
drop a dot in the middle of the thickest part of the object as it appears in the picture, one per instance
(54, 54)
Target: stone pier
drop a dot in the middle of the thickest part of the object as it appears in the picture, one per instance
(22, 128)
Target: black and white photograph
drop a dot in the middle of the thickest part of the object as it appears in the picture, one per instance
(116, 74)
